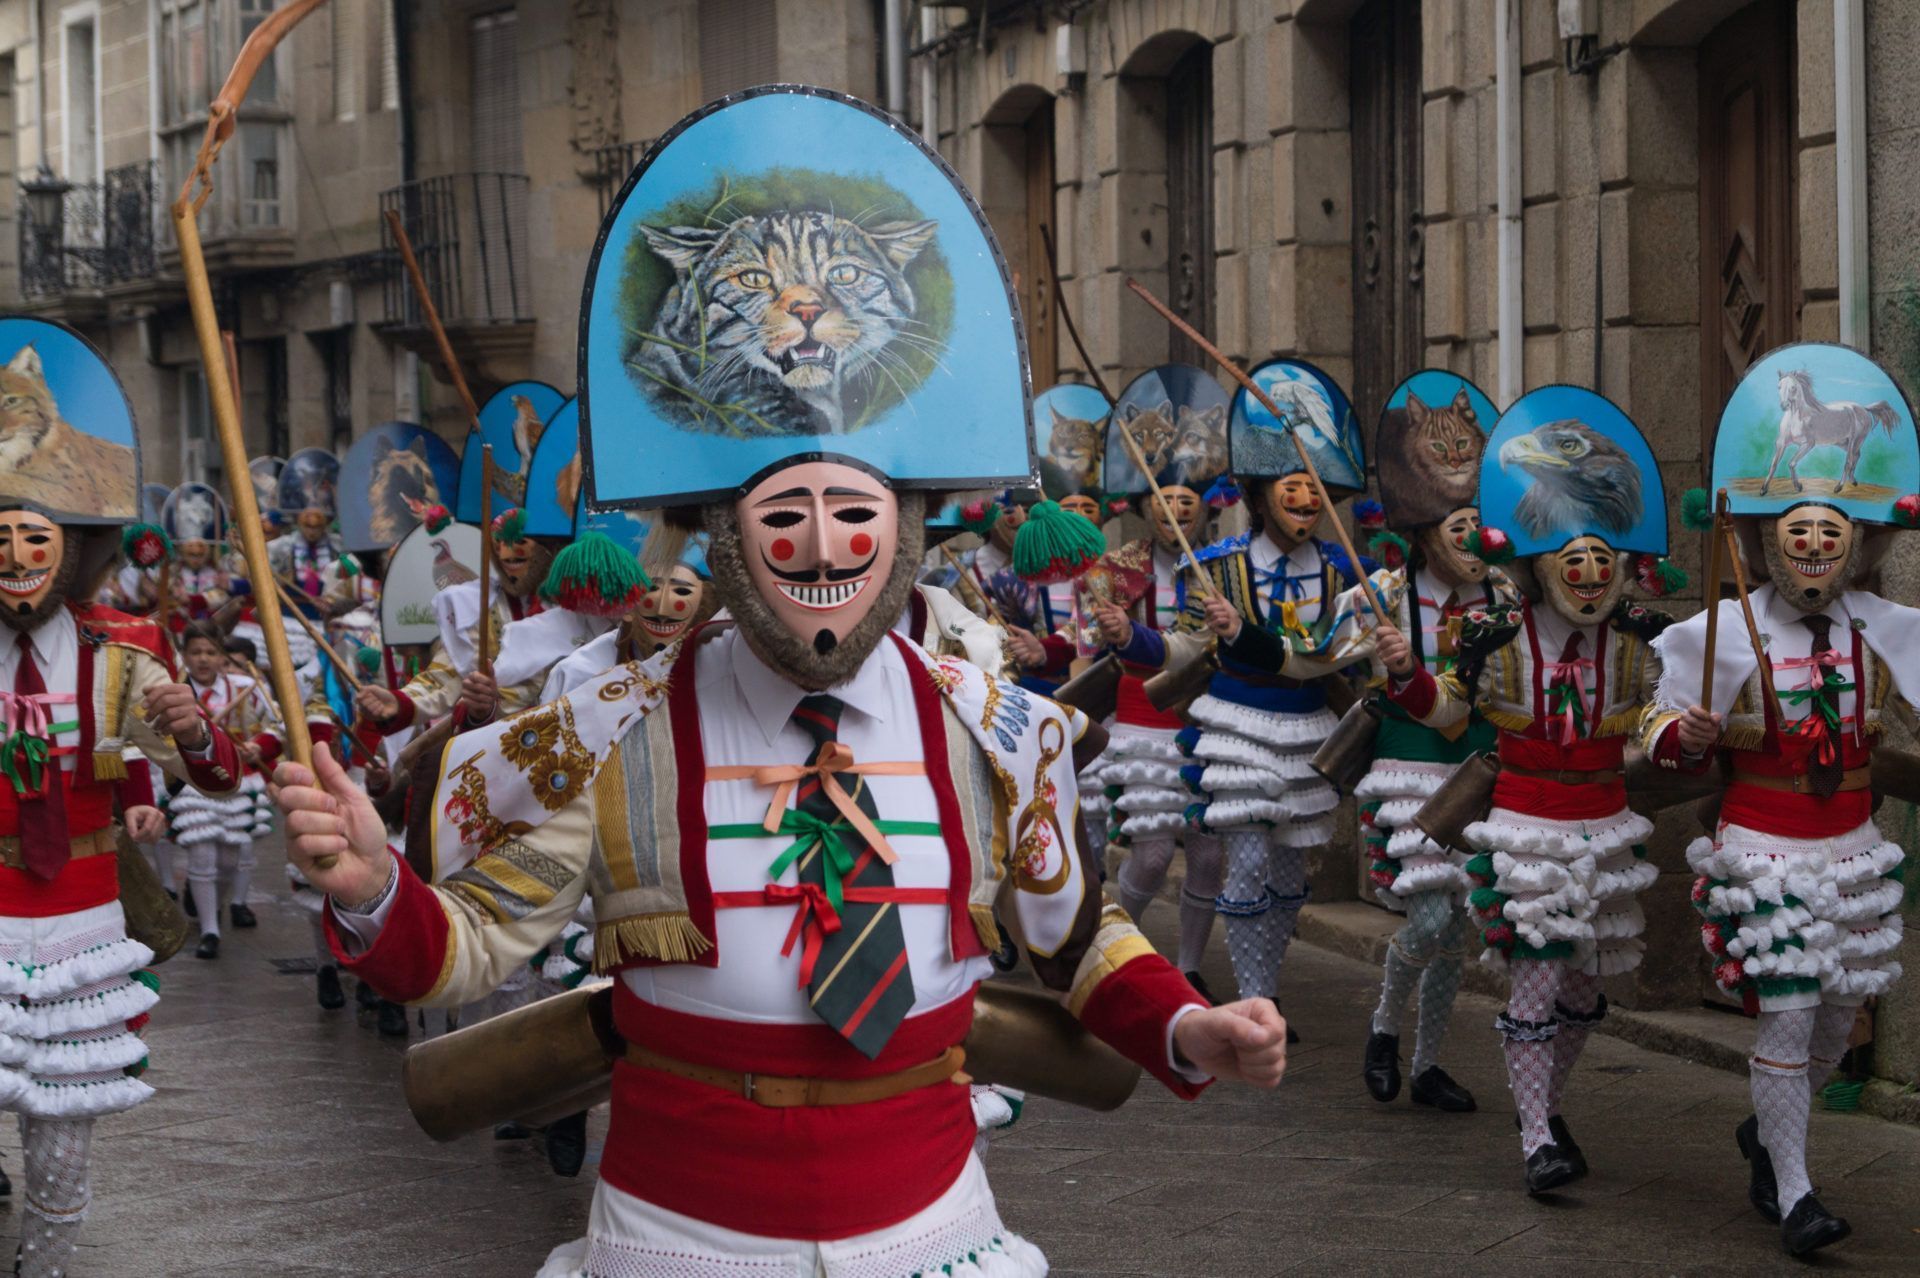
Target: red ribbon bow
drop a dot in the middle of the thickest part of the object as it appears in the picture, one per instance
(815, 910)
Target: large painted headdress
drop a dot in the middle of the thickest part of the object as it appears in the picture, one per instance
(791, 275)
(71, 452)
(1563, 463)
(1177, 415)
(1319, 418)
(427, 561)
(391, 481)
(194, 512)
(1433, 435)
(1815, 422)
(1070, 440)
(153, 502)
(309, 481)
(513, 420)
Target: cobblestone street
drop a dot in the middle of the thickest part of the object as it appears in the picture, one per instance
(279, 1145)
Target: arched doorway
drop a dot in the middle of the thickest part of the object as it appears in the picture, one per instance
(1167, 147)
(1018, 190)
(1388, 250)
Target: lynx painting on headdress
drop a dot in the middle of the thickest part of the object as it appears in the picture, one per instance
(1445, 444)
(1074, 447)
(782, 323)
(45, 459)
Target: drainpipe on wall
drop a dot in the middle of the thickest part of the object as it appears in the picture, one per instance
(1506, 100)
(929, 79)
(894, 31)
(1850, 148)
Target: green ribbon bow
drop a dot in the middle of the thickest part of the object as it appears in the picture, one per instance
(837, 841)
(33, 751)
(1825, 697)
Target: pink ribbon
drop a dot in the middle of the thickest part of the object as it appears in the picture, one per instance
(1570, 675)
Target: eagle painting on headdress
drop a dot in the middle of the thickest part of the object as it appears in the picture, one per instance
(1583, 482)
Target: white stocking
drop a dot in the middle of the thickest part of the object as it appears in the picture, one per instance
(55, 1159)
(1579, 1007)
(1831, 1029)
(1409, 952)
(243, 864)
(1778, 1074)
(1287, 880)
(1206, 869)
(1245, 902)
(1529, 1029)
(160, 857)
(1439, 985)
(1144, 870)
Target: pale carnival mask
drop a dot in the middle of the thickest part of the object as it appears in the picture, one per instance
(195, 554)
(819, 540)
(1292, 508)
(1081, 504)
(667, 610)
(1444, 547)
(35, 573)
(1810, 555)
(1187, 509)
(1583, 580)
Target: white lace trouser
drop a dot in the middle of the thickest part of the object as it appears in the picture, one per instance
(1145, 870)
(1794, 1053)
(1428, 950)
(56, 1193)
(960, 1234)
(211, 870)
(1266, 884)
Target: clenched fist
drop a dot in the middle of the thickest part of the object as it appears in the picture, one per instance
(144, 824)
(1222, 617)
(1244, 1041)
(1026, 648)
(172, 709)
(1395, 653)
(1699, 731)
(480, 696)
(376, 703)
(1115, 626)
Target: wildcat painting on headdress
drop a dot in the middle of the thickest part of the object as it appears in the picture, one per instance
(42, 454)
(782, 322)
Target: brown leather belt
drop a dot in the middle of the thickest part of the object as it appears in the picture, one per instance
(1599, 776)
(99, 843)
(791, 1093)
(1852, 779)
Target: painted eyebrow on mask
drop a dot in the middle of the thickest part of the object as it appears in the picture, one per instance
(792, 494)
(852, 492)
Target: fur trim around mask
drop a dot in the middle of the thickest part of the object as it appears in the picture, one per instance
(1786, 583)
(769, 637)
(64, 578)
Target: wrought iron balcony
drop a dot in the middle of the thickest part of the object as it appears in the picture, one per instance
(105, 236)
(612, 164)
(469, 232)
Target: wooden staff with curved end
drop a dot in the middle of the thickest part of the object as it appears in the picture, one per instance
(194, 193)
(1313, 472)
(483, 661)
(1716, 548)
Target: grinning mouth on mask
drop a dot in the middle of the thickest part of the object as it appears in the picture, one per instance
(819, 591)
(24, 583)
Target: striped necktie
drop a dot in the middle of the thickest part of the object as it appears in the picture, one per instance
(861, 983)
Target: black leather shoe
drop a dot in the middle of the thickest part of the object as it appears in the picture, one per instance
(327, 991)
(242, 915)
(567, 1144)
(1293, 1035)
(1762, 1190)
(6, 1186)
(510, 1130)
(1434, 1087)
(209, 947)
(1563, 1137)
(1381, 1067)
(1548, 1168)
(1007, 956)
(365, 996)
(393, 1020)
(1200, 987)
(1809, 1227)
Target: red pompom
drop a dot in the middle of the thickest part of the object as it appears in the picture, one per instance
(436, 518)
(1498, 936)
(1715, 942)
(1906, 511)
(1380, 878)
(147, 549)
(1730, 975)
(1700, 888)
(1119, 506)
(974, 510)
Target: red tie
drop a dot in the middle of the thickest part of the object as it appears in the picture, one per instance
(44, 842)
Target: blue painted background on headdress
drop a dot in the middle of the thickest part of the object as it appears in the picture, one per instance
(1318, 415)
(498, 418)
(1594, 472)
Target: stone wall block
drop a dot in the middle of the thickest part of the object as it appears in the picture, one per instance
(1571, 136)
(1663, 146)
(1540, 360)
(1654, 373)
(1229, 304)
(1283, 314)
(1893, 209)
(1229, 93)
(1893, 50)
(1539, 158)
(1138, 336)
(1819, 244)
(1440, 45)
(1541, 254)
(1445, 311)
(1111, 111)
(1230, 209)
(1478, 42)
(1307, 66)
(1539, 33)
(1481, 263)
(1610, 103)
(1813, 50)
(1466, 149)
(1279, 40)
(1321, 199)
(1069, 142)
(1323, 297)
(1130, 231)
(1820, 322)
(1436, 157)
(1663, 256)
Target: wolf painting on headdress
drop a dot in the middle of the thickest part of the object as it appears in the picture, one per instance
(784, 315)
(41, 453)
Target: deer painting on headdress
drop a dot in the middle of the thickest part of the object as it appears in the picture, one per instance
(1807, 424)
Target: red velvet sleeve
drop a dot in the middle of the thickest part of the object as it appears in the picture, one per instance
(1130, 1011)
(1417, 695)
(220, 770)
(402, 718)
(406, 959)
(1060, 656)
(137, 790)
(1667, 752)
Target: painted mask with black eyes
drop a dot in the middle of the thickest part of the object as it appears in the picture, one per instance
(1444, 548)
(819, 540)
(666, 611)
(1809, 553)
(1583, 580)
(36, 573)
(1292, 508)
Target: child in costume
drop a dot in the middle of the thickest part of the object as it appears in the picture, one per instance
(85, 683)
(794, 958)
(1254, 732)
(1569, 485)
(1800, 889)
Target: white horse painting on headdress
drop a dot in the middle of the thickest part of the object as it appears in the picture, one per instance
(1807, 424)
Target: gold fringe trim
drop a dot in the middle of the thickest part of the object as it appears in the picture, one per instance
(109, 767)
(670, 938)
(984, 926)
(1511, 720)
(1744, 736)
(1619, 725)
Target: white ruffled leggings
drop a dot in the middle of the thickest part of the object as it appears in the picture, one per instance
(56, 1191)
(1428, 950)
(1550, 1010)
(1139, 880)
(1794, 1054)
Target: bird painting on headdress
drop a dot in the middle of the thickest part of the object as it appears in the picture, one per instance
(448, 571)
(1583, 482)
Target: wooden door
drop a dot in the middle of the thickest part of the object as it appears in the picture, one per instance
(1190, 199)
(1036, 292)
(1749, 297)
(1388, 253)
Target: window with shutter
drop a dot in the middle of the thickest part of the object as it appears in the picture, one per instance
(389, 58)
(496, 95)
(347, 43)
(738, 46)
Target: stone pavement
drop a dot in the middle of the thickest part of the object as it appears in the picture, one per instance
(278, 1145)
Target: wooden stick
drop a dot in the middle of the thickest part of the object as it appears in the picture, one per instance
(1306, 458)
(163, 596)
(1066, 316)
(1166, 508)
(260, 680)
(1769, 702)
(993, 613)
(319, 639)
(1716, 548)
(483, 658)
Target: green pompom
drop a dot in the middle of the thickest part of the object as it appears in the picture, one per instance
(145, 545)
(148, 978)
(1055, 544)
(1486, 900)
(1490, 546)
(348, 564)
(979, 517)
(1480, 868)
(1696, 510)
(510, 526)
(595, 576)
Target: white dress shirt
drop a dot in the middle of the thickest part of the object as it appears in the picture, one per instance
(1303, 561)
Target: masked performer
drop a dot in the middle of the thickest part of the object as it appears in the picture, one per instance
(1800, 889)
(1253, 732)
(1178, 418)
(791, 994)
(85, 685)
(1570, 486)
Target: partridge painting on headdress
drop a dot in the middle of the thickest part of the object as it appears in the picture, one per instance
(512, 420)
